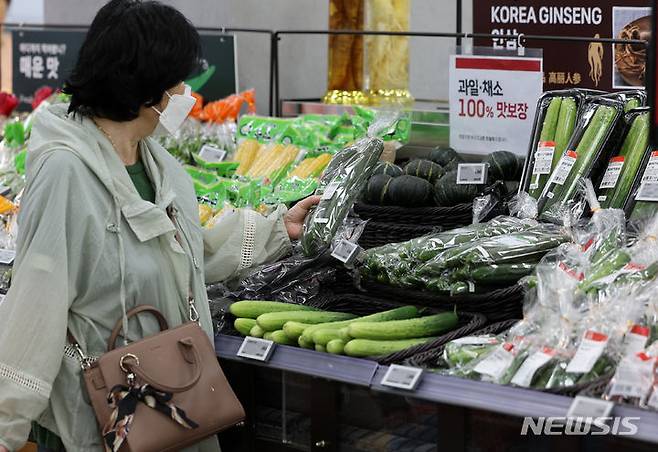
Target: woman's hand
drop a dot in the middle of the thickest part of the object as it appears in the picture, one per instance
(294, 219)
(3, 449)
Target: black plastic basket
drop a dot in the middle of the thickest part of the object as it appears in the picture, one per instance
(377, 233)
(431, 356)
(497, 305)
(445, 217)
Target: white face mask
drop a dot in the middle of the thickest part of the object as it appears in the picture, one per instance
(173, 115)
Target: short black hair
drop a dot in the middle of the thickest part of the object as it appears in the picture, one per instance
(133, 52)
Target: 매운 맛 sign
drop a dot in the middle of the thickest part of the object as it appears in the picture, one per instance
(46, 58)
(492, 102)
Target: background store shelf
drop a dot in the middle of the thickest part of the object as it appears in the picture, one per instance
(432, 388)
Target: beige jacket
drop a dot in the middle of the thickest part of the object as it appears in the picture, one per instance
(90, 247)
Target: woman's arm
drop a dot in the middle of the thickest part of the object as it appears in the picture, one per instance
(243, 239)
(34, 314)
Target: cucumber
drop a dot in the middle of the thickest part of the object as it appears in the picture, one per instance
(592, 141)
(267, 335)
(280, 337)
(244, 326)
(251, 309)
(401, 313)
(273, 321)
(631, 103)
(548, 129)
(336, 347)
(566, 124)
(294, 329)
(320, 348)
(345, 334)
(404, 329)
(324, 335)
(365, 347)
(303, 343)
(500, 273)
(256, 331)
(633, 149)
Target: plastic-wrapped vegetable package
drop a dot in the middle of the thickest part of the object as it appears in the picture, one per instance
(591, 143)
(632, 99)
(642, 204)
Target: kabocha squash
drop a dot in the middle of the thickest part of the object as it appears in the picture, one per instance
(445, 156)
(390, 169)
(377, 189)
(447, 193)
(425, 169)
(410, 191)
(503, 165)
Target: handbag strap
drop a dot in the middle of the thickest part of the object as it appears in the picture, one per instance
(111, 343)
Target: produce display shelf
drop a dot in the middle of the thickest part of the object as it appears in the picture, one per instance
(432, 388)
(429, 119)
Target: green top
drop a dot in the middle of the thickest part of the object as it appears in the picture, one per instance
(140, 178)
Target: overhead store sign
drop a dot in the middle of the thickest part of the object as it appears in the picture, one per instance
(46, 58)
(493, 102)
(569, 64)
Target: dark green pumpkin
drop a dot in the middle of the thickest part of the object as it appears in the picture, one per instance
(377, 189)
(503, 165)
(443, 156)
(447, 193)
(390, 169)
(425, 169)
(410, 191)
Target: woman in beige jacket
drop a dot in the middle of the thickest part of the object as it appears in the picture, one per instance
(102, 207)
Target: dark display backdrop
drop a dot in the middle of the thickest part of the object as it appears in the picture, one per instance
(46, 58)
(572, 64)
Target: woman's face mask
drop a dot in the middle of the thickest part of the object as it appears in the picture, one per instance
(173, 115)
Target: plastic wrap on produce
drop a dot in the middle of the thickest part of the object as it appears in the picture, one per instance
(491, 198)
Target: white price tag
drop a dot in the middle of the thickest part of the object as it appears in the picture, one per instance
(544, 158)
(7, 256)
(402, 377)
(587, 407)
(612, 173)
(256, 348)
(212, 154)
(635, 340)
(472, 173)
(650, 175)
(329, 191)
(476, 340)
(345, 250)
(633, 377)
(563, 168)
(589, 351)
(531, 365)
(496, 363)
(648, 192)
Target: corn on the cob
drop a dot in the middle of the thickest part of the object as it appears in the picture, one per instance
(246, 155)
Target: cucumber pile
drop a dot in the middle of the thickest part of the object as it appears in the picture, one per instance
(377, 334)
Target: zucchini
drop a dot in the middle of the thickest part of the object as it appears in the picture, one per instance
(273, 321)
(251, 309)
(320, 348)
(244, 326)
(632, 151)
(404, 329)
(360, 348)
(547, 134)
(401, 313)
(336, 347)
(348, 172)
(256, 331)
(586, 153)
(294, 329)
(280, 337)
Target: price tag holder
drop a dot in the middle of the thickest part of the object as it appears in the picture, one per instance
(588, 407)
(472, 173)
(7, 256)
(402, 377)
(212, 154)
(256, 348)
(345, 251)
